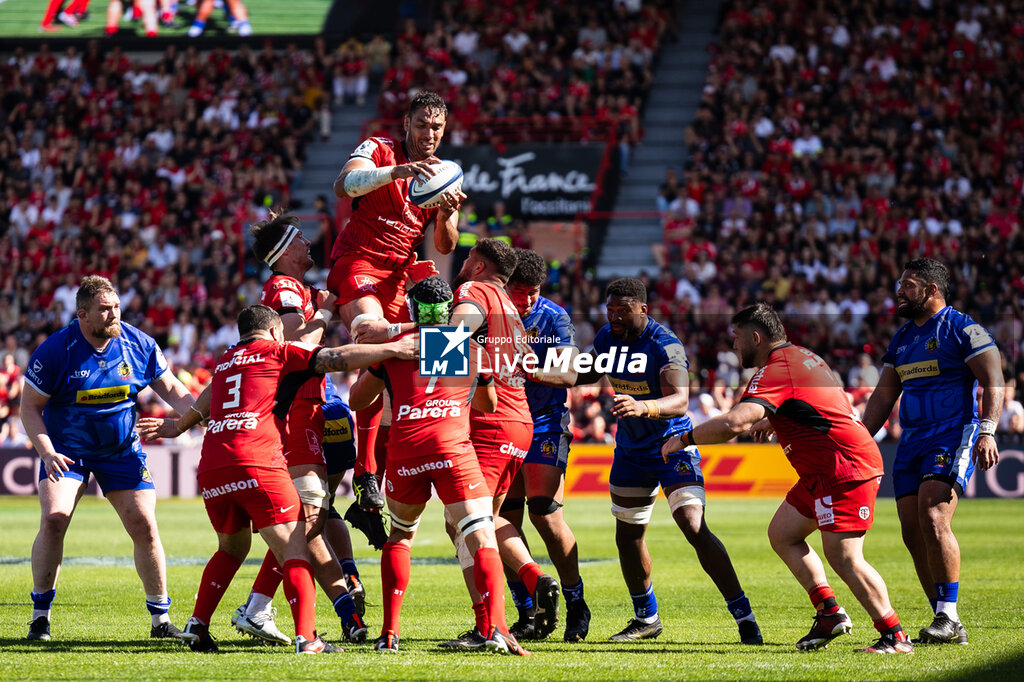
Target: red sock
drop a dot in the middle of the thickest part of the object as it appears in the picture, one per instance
(367, 424)
(489, 578)
(483, 623)
(395, 568)
(270, 576)
(380, 451)
(78, 6)
(51, 12)
(818, 595)
(111, 30)
(301, 595)
(887, 622)
(217, 575)
(529, 574)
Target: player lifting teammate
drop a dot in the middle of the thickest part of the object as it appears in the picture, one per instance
(376, 252)
(430, 445)
(305, 313)
(243, 475)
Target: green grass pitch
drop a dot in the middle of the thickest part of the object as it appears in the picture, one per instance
(100, 626)
(21, 18)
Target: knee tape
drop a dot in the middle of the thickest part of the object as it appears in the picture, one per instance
(542, 506)
(404, 525)
(637, 516)
(312, 490)
(471, 523)
(358, 320)
(512, 504)
(681, 497)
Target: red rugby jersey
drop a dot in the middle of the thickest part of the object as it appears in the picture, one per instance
(244, 429)
(385, 227)
(285, 294)
(820, 432)
(503, 338)
(429, 415)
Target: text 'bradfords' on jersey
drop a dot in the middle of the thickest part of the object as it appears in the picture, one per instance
(444, 352)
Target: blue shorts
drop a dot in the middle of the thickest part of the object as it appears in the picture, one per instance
(340, 457)
(943, 457)
(125, 470)
(550, 448)
(638, 473)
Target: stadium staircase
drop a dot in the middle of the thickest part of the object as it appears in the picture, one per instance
(325, 159)
(678, 80)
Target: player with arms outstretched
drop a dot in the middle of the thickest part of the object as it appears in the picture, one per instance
(243, 475)
(839, 465)
(376, 252)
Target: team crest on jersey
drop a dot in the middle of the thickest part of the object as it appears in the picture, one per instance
(532, 333)
(547, 449)
(124, 369)
(942, 459)
(932, 345)
(864, 513)
(365, 284)
(683, 467)
(37, 366)
(145, 475)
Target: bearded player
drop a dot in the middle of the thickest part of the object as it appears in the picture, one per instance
(305, 313)
(376, 252)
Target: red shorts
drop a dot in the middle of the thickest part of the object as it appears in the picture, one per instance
(455, 477)
(304, 433)
(501, 451)
(846, 507)
(236, 495)
(355, 278)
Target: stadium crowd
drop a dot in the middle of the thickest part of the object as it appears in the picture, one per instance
(829, 148)
(833, 144)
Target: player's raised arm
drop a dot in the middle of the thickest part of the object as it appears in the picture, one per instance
(446, 227)
(986, 369)
(361, 176)
(882, 400)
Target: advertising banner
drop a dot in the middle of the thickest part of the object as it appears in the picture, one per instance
(533, 180)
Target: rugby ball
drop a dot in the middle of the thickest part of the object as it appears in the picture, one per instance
(427, 194)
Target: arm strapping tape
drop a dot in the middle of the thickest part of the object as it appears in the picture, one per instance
(363, 181)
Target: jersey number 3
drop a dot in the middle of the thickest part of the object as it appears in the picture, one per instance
(234, 383)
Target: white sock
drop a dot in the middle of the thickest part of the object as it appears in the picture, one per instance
(749, 616)
(649, 619)
(41, 613)
(257, 603)
(948, 608)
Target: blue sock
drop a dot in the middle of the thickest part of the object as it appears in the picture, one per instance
(41, 600)
(520, 596)
(739, 607)
(573, 593)
(348, 567)
(946, 591)
(645, 605)
(345, 607)
(934, 603)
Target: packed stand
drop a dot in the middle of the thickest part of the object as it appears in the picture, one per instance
(148, 173)
(565, 71)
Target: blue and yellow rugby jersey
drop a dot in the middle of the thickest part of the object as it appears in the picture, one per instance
(337, 424)
(938, 387)
(547, 326)
(91, 407)
(662, 349)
